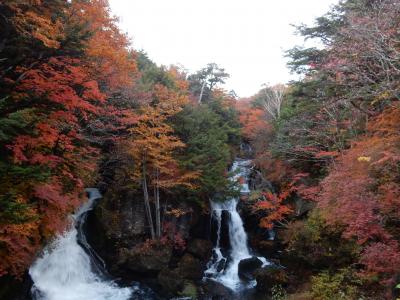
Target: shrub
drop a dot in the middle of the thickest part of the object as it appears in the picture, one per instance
(343, 284)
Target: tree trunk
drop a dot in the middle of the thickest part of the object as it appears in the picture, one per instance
(157, 200)
(202, 90)
(147, 201)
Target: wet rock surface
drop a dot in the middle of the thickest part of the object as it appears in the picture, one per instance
(170, 280)
(201, 249)
(247, 268)
(190, 267)
(147, 261)
(117, 230)
(216, 290)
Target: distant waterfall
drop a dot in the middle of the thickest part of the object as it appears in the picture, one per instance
(225, 269)
(66, 271)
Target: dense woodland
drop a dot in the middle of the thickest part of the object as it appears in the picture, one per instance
(75, 99)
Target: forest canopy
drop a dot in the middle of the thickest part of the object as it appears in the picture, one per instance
(80, 106)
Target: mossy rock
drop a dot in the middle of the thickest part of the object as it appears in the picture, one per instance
(189, 290)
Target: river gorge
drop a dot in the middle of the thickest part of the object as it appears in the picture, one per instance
(70, 268)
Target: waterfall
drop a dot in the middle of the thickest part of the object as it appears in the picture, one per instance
(225, 269)
(65, 271)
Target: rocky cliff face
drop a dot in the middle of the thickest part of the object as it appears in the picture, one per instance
(118, 231)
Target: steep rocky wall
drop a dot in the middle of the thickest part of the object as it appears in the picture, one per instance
(118, 231)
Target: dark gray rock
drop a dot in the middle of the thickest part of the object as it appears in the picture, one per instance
(248, 266)
(216, 290)
(201, 249)
(170, 281)
(150, 260)
(190, 267)
(221, 265)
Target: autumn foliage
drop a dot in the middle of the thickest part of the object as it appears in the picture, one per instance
(335, 146)
(362, 193)
(73, 93)
(53, 88)
(252, 119)
(275, 209)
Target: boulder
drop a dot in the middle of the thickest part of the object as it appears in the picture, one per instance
(248, 266)
(270, 276)
(201, 249)
(118, 221)
(216, 290)
(149, 260)
(170, 281)
(190, 267)
(221, 265)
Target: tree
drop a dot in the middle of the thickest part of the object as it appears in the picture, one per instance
(152, 146)
(273, 209)
(112, 65)
(271, 99)
(46, 156)
(209, 132)
(367, 201)
(203, 82)
(252, 119)
(54, 110)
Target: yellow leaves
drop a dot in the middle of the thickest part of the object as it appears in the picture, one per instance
(364, 158)
(169, 101)
(381, 97)
(153, 143)
(176, 212)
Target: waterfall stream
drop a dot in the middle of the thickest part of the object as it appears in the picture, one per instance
(224, 269)
(65, 271)
(69, 269)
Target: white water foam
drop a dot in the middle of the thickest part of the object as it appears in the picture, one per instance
(65, 271)
(229, 275)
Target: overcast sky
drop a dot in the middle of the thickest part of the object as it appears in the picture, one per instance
(246, 37)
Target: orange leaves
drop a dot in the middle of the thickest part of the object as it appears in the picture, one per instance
(253, 120)
(273, 207)
(55, 205)
(107, 49)
(177, 212)
(68, 56)
(19, 244)
(153, 143)
(40, 25)
(168, 100)
(62, 81)
(92, 91)
(63, 97)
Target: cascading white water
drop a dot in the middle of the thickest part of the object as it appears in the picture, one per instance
(216, 269)
(65, 271)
